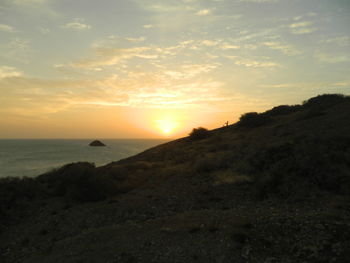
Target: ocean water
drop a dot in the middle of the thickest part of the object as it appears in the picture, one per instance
(26, 157)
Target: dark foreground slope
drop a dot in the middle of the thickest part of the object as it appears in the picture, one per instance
(274, 187)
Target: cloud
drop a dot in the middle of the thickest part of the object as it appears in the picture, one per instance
(203, 12)
(342, 84)
(39, 8)
(302, 27)
(342, 41)
(209, 43)
(113, 41)
(148, 26)
(166, 6)
(301, 24)
(251, 63)
(259, 34)
(260, 1)
(9, 72)
(17, 49)
(133, 39)
(36, 98)
(226, 46)
(120, 51)
(287, 49)
(331, 58)
(44, 30)
(112, 56)
(77, 24)
(25, 2)
(176, 15)
(308, 86)
(30, 97)
(190, 71)
(7, 28)
(301, 31)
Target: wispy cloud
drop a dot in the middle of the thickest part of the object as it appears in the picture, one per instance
(209, 43)
(301, 24)
(17, 49)
(77, 24)
(135, 39)
(308, 86)
(190, 71)
(287, 49)
(7, 28)
(112, 56)
(138, 90)
(44, 30)
(341, 41)
(227, 46)
(260, 1)
(39, 8)
(148, 26)
(204, 12)
(26, 2)
(331, 58)
(251, 63)
(302, 28)
(301, 31)
(9, 72)
(176, 15)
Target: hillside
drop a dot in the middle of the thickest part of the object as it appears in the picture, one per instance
(273, 187)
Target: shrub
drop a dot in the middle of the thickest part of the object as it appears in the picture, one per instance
(253, 119)
(325, 101)
(13, 189)
(199, 133)
(17, 192)
(208, 163)
(293, 169)
(80, 182)
(282, 110)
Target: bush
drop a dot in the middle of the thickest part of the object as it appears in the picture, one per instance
(282, 110)
(80, 182)
(325, 101)
(253, 119)
(199, 133)
(13, 189)
(17, 192)
(292, 169)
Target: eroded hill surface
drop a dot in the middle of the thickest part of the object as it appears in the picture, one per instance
(274, 187)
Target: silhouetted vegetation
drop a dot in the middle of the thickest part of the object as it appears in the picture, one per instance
(79, 182)
(199, 133)
(317, 106)
(253, 119)
(16, 192)
(282, 110)
(325, 101)
(292, 169)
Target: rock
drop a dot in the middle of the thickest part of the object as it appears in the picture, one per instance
(97, 143)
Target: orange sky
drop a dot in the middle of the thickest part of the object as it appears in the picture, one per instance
(155, 68)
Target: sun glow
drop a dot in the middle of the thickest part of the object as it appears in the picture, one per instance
(167, 126)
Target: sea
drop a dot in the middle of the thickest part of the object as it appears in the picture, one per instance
(32, 157)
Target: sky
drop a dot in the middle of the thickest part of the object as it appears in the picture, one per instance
(158, 68)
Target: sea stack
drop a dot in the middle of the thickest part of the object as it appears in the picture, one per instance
(97, 143)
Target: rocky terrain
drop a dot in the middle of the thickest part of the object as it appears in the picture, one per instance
(274, 187)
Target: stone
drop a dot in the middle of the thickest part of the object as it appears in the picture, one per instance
(97, 143)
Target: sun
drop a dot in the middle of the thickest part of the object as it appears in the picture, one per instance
(166, 126)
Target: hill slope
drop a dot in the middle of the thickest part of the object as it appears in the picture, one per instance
(274, 187)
